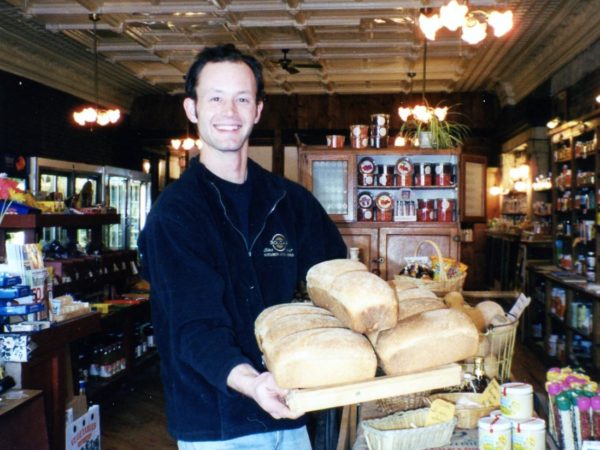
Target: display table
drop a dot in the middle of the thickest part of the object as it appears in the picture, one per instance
(22, 420)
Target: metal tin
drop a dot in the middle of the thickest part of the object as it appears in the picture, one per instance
(366, 179)
(365, 207)
(359, 136)
(425, 210)
(404, 172)
(378, 130)
(365, 214)
(366, 165)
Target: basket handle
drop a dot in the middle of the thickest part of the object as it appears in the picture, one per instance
(436, 248)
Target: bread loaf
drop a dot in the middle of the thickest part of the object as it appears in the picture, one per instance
(414, 306)
(319, 277)
(321, 357)
(271, 315)
(407, 294)
(427, 340)
(361, 300)
(291, 324)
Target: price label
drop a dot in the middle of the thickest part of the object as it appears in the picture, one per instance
(440, 411)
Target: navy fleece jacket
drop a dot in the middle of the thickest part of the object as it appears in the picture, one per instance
(209, 283)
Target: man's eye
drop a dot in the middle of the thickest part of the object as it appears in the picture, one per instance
(243, 100)
(215, 99)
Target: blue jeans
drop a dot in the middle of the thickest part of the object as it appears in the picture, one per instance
(296, 439)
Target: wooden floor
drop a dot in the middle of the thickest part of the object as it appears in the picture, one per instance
(133, 418)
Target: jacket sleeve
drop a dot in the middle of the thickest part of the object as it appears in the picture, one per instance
(320, 237)
(187, 295)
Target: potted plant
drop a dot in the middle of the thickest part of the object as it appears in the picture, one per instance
(431, 127)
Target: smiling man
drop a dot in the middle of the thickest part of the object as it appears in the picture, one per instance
(222, 243)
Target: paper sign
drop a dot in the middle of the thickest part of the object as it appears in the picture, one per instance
(440, 411)
(491, 395)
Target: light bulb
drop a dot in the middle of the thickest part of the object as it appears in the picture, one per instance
(176, 143)
(404, 113)
(430, 25)
(453, 15)
(502, 23)
(473, 31)
(441, 112)
(188, 143)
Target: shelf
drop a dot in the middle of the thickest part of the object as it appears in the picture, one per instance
(581, 333)
(13, 221)
(413, 188)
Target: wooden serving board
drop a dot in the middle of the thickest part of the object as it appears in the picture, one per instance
(381, 387)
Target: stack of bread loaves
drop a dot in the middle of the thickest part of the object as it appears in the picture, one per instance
(408, 329)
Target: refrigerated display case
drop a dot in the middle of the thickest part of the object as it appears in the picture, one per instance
(129, 192)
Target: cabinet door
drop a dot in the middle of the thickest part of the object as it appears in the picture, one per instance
(365, 239)
(329, 177)
(396, 243)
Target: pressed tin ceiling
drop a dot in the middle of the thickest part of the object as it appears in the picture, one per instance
(361, 46)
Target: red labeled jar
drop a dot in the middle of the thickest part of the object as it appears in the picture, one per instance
(384, 208)
(365, 207)
(422, 174)
(443, 174)
(404, 172)
(366, 172)
(425, 210)
(445, 209)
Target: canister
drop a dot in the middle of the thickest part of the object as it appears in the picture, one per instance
(516, 400)
(378, 130)
(529, 434)
(445, 208)
(359, 136)
(422, 174)
(494, 432)
(384, 207)
(365, 207)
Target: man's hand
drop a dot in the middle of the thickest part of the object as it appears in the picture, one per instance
(263, 389)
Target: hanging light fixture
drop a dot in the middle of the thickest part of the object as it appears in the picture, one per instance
(94, 115)
(423, 112)
(473, 23)
(187, 142)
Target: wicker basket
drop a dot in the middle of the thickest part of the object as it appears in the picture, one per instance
(444, 284)
(502, 344)
(403, 402)
(406, 431)
(467, 416)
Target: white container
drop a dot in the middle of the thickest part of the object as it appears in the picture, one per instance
(496, 413)
(529, 434)
(516, 400)
(494, 432)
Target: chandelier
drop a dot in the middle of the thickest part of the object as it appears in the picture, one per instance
(423, 112)
(186, 143)
(94, 115)
(472, 23)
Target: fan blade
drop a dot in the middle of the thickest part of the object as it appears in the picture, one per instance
(291, 69)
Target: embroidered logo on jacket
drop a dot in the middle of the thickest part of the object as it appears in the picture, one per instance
(279, 247)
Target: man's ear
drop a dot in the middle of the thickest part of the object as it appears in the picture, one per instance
(189, 105)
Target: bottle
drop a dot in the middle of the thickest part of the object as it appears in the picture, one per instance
(480, 379)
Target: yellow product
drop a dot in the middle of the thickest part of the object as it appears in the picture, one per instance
(516, 400)
(529, 434)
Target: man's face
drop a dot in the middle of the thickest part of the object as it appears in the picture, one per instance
(226, 107)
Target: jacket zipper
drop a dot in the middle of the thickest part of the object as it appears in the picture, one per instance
(248, 249)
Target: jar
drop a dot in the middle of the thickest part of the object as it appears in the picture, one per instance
(443, 174)
(385, 175)
(404, 172)
(494, 432)
(365, 207)
(529, 434)
(422, 174)
(384, 207)
(516, 400)
(366, 172)
(425, 210)
(445, 208)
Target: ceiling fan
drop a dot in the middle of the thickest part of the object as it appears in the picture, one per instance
(291, 67)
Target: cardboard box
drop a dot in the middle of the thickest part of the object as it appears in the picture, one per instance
(83, 433)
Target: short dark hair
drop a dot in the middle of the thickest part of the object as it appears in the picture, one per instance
(223, 53)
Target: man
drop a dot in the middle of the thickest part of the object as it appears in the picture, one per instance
(221, 244)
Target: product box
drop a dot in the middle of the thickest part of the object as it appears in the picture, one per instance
(83, 433)
(15, 347)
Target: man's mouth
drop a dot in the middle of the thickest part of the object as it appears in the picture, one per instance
(228, 127)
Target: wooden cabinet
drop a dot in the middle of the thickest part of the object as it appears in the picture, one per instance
(335, 178)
